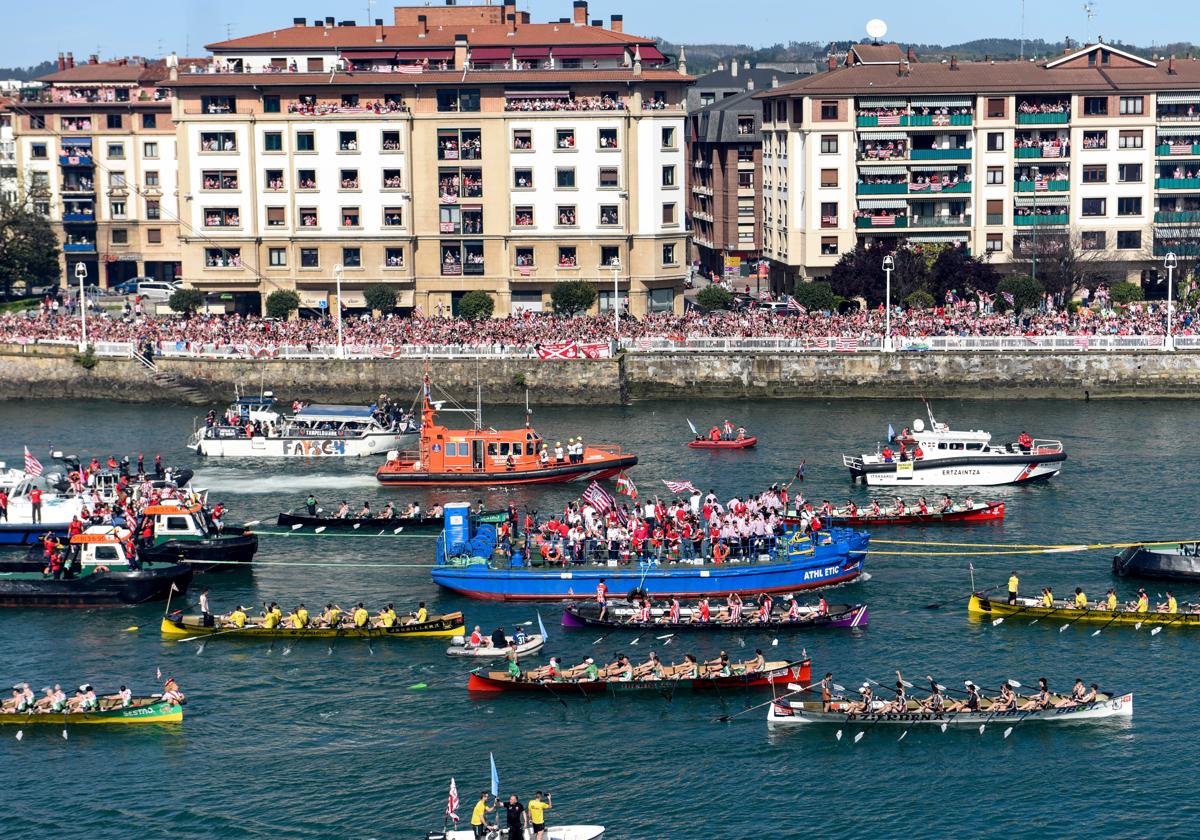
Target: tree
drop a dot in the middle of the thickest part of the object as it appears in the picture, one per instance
(282, 303)
(186, 301)
(816, 295)
(476, 306)
(1026, 293)
(1063, 265)
(920, 299)
(1125, 292)
(859, 273)
(571, 297)
(28, 246)
(380, 297)
(714, 297)
(954, 269)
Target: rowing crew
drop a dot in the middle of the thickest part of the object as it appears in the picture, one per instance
(899, 508)
(55, 700)
(734, 611)
(973, 702)
(621, 669)
(332, 616)
(1140, 604)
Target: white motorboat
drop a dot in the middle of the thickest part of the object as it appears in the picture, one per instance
(531, 645)
(58, 509)
(938, 456)
(314, 431)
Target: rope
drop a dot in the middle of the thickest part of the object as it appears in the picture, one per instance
(257, 563)
(373, 534)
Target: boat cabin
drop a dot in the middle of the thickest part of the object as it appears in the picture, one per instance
(332, 421)
(478, 450)
(100, 545)
(260, 408)
(173, 520)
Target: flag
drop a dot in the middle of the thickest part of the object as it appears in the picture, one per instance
(888, 119)
(883, 221)
(625, 485)
(1038, 186)
(793, 305)
(33, 466)
(558, 350)
(891, 432)
(408, 68)
(1181, 148)
(492, 757)
(1051, 151)
(680, 486)
(691, 426)
(599, 498)
(452, 801)
(174, 588)
(545, 636)
(847, 345)
(918, 187)
(1009, 299)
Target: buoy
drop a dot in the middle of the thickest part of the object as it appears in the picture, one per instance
(20, 734)
(64, 734)
(131, 629)
(320, 530)
(417, 686)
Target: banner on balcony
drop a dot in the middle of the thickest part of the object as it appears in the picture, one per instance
(575, 350)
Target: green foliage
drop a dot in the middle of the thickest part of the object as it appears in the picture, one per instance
(714, 297)
(380, 297)
(1123, 293)
(186, 301)
(816, 295)
(518, 380)
(571, 297)
(859, 273)
(476, 306)
(919, 299)
(28, 246)
(956, 270)
(1026, 292)
(282, 303)
(87, 359)
(20, 305)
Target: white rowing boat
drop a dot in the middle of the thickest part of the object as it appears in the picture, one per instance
(554, 832)
(784, 712)
(459, 647)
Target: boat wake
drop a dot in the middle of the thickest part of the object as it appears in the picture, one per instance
(247, 482)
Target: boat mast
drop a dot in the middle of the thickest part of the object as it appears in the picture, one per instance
(478, 405)
(528, 413)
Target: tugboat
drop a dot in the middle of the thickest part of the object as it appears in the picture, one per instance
(184, 534)
(488, 457)
(96, 572)
(1174, 561)
(939, 457)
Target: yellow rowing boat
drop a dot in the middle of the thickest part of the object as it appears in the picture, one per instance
(450, 624)
(982, 608)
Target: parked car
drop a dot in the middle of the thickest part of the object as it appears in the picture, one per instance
(156, 290)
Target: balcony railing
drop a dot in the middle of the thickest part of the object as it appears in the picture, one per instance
(1177, 183)
(1042, 152)
(79, 246)
(88, 218)
(1174, 149)
(1032, 221)
(881, 222)
(1179, 249)
(1177, 216)
(1052, 186)
(1051, 118)
(906, 120)
(963, 220)
(882, 154)
(75, 160)
(941, 154)
(882, 189)
(960, 187)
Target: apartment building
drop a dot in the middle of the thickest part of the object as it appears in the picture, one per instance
(96, 148)
(8, 152)
(457, 148)
(1097, 150)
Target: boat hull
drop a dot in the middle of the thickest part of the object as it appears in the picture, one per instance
(990, 512)
(303, 447)
(588, 615)
(1165, 564)
(965, 471)
(22, 585)
(156, 711)
(787, 713)
(205, 555)
(451, 624)
(531, 646)
(777, 673)
(983, 608)
(596, 469)
(744, 443)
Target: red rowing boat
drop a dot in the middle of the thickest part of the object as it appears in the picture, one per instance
(981, 512)
(704, 443)
(775, 673)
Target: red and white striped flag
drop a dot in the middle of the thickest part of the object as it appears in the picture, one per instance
(888, 119)
(452, 801)
(599, 498)
(1041, 185)
(1009, 299)
(883, 221)
(625, 485)
(680, 486)
(793, 305)
(1181, 148)
(847, 345)
(1082, 341)
(33, 466)
(1051, 151)
(412, 69)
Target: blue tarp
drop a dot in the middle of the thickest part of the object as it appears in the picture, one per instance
(330, 412)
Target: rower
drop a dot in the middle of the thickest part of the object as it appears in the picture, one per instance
(387, 616)
(851, 508)
(1077, 693)
(124, 697)
(237, 618)
(651, 669)
(947, 504)
(690, 669)
(623, 668)
(361, 616)
(270, 620)
(1143, 602)
(343, 511)
(822, 606)
(864, 703)
(1171, 607)
(826, 693)
(673, 614)
(970, 703)
(388, 512)
(1091, 695)
(765, 605)
(1013, 586)
(365, 512)
(420, 616)
(642, 616)
(590, 672)
(1040, 700)
(311, 504)
(1007, 701)
(1110, 603)
(922, 505)
(900, 704)
(330, 616)
(1048, 597)
(758, 664)
(935, 703)
(1080, 599)
(703, 612)
(899, 506)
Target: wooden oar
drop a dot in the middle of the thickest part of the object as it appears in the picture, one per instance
(222, 633)
(1160, 627)
(1012, 684)
(938, 606)
(1116, 614)
(1086, 610)
(1047, 615)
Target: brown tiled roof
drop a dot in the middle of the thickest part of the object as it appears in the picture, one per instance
(121, 71)
(1000, 77)
(873, 53)
(399, 37)
(440, 77)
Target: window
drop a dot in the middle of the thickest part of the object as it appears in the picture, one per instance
(277, 257)
(218, 141)
(1097, 174)
(996, 108)
(995, 141)
(462, 258)
(1095, 140)
(1129, 206)
(610, 214)
(116, 180)
(668, 214)
(116, 151)
(117, 208)
(995, 175)
(315, 65)
(610, 178)
(154, 236)
(1129, 239)
(566, 215)
(567, 257)
(349, 179)
(995, 243)
(829, 109)
(352, 257)
(390, 141)
(661, 300)
(668, 254)
(745, 154)
(610, 255)
(218, 104)
(668, 176)
(273, 141)
(393, 257)
(1129, 173)
(781, 111)
(745, 125)
(1092, 240)
(347, 141)
(222, 257)
(523, 215)
(829, 246)
(565, 178)
(607, 139)
(668, 137)
(306, 141)
(149, 120)
(522, 179)
(457, 100)
(41, 206)
(273, 178)
(1132, 104)
(308, 217)
(37, 151)
(564, 139)
(120, 236)
(310, 258)
(41, 182)
(1095, 106)
(829, 144)
(150, 150)
(276, 217)
(829, 214)
(222, 217)
(350, 217)
(153, 209)
(37, 122)
(393, 179)
(271, 105)
(218, 179)
(152, 179)
(829, 177)
(113, 121)
(745, 180)
(1130, 140)
(1093, 207)
(524, 258)
(995, 211)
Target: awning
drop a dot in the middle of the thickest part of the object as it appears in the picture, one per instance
(651, 54)
(533, 52)
(882, 203)
(366, 54)
(881, 135)
(76, 141)
(938, 167)
(869, 102)
(410, 55)
(944, 101)
(609, 51)
(1178, 130)
(1181, 98)
(1049, 200)
(490, 53)
(939, 237)
(537, 94)
(883, 170)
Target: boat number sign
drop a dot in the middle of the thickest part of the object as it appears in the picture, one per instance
(314, 448)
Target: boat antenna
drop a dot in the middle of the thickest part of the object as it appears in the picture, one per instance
(929, 411)
(528, 413)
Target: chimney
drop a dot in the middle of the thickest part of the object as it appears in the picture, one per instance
(581, 13)
(720, 66)
(379, 31)
(512, 24)
(637, 60)
(93, 59)
(774, 82)
(329, 22)
(746, 64)
(749, 83)
(733, 68)
(831, 62)
(596, 22)
(460, 51)
(682, 60)
(70, 60)
(423, 22)
(1066, 50)
(911, 55)
(617, 23)
(299, 21)
(379, 21)
(510, 8)
(953, 62)
(1171, 66)
(62, 62)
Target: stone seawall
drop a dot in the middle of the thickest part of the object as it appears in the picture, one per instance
(45, 372)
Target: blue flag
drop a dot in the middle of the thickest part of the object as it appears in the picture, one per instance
(542, 628)
(891, 432)
(495, 776)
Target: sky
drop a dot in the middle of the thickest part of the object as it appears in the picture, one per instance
(133, 27)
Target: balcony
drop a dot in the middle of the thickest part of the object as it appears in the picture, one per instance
(1177, 216)
(941, 154)
(75, 160)
(882, 189)
(1041, 152)
(79, 247)
(1038, 221)
(882, 154)
(1177, 183)
(1177, 149)
(915, 120)
(963, 220)
(1179, 249)
(78, 189)
(1052, 186)
(881, 222)
(1053, 118)
(85, 218)
(960, 187)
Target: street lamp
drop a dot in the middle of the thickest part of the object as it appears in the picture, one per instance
(81, 275)
(1170, 262)
(616, 267)
(337, 276)
(889, 265)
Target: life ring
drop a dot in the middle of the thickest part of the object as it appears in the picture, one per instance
(720, 552)
(553, 555)
(101, 569)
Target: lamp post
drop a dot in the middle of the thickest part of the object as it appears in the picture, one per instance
(81, 275)
(889, 265)
(1170, 262)
(337, 277)
(616, 267)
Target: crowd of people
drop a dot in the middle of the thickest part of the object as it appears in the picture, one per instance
(580, 103)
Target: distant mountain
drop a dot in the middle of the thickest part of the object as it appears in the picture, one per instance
(26, 74)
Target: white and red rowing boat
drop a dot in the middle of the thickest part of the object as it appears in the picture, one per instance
(978, 512)
(705, 443)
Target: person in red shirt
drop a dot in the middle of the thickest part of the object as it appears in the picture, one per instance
(3, 505)
(1025, 442)
(75, 528)
(35, 503)
(602, 597)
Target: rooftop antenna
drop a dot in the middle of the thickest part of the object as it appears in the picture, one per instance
(228, 31)
(876, 29)
(1089, 9)
(1022, 30)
